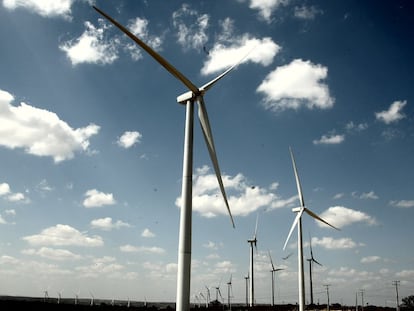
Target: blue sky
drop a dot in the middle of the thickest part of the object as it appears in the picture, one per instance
(91, 144)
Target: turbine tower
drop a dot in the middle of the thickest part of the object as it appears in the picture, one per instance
(194, 94)
(311, 261)
(252, 242)
(273, 278)
(247, 288)
(229, 291)
(298, 222)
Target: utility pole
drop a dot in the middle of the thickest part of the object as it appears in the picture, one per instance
(397, 283)
(362, 299)
(327, 293)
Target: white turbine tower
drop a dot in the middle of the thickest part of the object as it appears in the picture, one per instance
(273, 278)
(92, 299)
(194, 94)
(298, 222)
(252, 242)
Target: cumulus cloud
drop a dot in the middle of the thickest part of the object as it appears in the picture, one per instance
(306, 12)
(341, 216)
(63, 235)
(370, 259)
(146, 233)
(95, 198)
(141, 249)
(243, 197)
(45, 8)
(255, 50)
(403, 203)
(52, 253)
(331, 139)
(266, 7)
(331, 243)
(191, 27)
(139, 27)
(393, 114)
(91, 47)
(296, 85)
(107, 224)
(40, 132)
(129, 138)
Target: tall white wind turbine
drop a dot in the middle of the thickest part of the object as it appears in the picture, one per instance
(298, 221)
(252, 242)
(194, 94)
(273, 278)
(229, 292)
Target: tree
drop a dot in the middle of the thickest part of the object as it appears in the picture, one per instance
(408, 301)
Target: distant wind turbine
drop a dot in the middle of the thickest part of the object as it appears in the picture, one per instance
(194, 94)
(247, 288)
(298, 222)
(273, 278)
(252, 242)
(311, 261)
(76, 297)
(229, 292)
(46, 297)
(92, 299)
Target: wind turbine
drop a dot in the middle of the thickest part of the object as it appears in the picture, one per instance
(273, 278)
(298, 221)
(229, 290)
(311, 261)
(247, 288)
(92, 299)
(194, 94)
(252, 242)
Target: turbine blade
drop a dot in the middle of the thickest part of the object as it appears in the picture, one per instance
(314, 260)
(163, 62)
(271, 261)
(209, 84)
(205, 125)
(310, 246)
(302, 202)
(309, 212)
(255, 229)
(295, 222)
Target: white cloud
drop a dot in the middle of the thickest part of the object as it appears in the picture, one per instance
(139, 27)
(191, 27)
(305, 12)
(403, 203)
(141, 249)
(331, 139)
(338, 196)
(91, 47)
(331, 243)
(40, 132)
(52, 253)
(222, 56)
(352, 127)
(340, 217)
(4, 189)
(45, 8)
(298, 84)
(146, 233)
(2, 220)
(129, 138)
(63, 235)
(16, 197)
(243, 198)
(106, 224)
(95, 198)
(370, 259)
(393, 114)
(266, 7)
(11, 212)
(369, 195)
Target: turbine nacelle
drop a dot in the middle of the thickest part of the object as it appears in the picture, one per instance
(187, 96)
